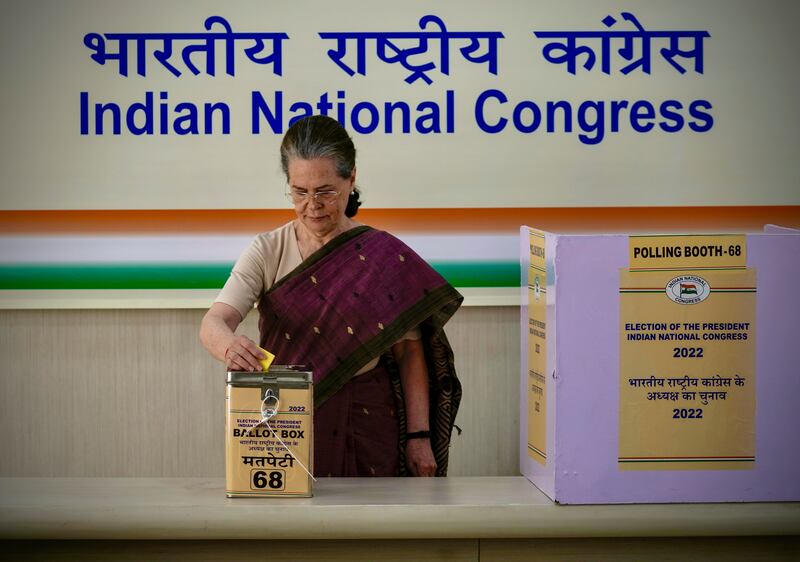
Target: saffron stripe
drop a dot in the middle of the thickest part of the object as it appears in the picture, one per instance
(556, 219)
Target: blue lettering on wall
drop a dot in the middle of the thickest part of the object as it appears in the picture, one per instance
(363, 117)
(148, 118)
(608, 50)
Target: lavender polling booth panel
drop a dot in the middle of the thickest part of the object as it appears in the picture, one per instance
(659, 369)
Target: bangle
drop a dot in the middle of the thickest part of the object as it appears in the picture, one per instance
(418, 435)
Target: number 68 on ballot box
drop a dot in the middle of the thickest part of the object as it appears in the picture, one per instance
(269, 433)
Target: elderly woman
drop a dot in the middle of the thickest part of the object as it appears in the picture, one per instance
(354, 304)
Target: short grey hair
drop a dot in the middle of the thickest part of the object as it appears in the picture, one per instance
(319, 136)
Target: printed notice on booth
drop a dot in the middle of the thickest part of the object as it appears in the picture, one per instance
(687, 354)
(537, 349)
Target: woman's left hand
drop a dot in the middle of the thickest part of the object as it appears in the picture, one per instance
(419, 457)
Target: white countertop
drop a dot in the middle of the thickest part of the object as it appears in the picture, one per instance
(354, 508)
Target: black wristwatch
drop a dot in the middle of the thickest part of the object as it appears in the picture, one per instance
(418, 435)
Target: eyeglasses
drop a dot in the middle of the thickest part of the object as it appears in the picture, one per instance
(326, 196)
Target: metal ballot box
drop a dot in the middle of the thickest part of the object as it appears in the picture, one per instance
(269, 427)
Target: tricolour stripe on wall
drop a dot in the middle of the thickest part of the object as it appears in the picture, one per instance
(175, 253)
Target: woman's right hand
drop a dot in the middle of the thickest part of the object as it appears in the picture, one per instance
(243, 354)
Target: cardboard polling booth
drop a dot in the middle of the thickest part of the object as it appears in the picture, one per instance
(661, 368)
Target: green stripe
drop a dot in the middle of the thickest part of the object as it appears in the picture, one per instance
(479, 274)
(114, 276)
(206, 275)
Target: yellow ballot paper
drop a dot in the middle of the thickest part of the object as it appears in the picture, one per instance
(267, 361)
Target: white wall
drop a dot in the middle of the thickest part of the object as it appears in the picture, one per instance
(747, 157)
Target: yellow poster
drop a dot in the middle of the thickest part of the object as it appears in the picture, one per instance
(683, 251)
(537, 350)
(687, 358)
(269, 457)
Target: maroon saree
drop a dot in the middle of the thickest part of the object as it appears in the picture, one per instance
(345, 305)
